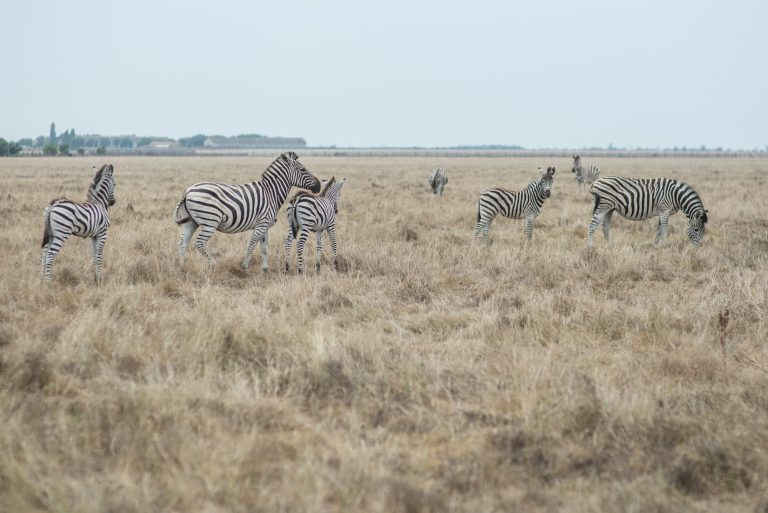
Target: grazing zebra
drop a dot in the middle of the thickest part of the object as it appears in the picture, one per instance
(317, 214)
(584, 175)
(238, 208)
(437, 180)
(516, 205)
(90, 219)
(641, 198)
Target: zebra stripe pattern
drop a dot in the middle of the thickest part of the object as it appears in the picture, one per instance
(237, 208)
(641, 198)
(63, 217)
(437, 180)
(317, 214)
(516, 205)
(584, 174)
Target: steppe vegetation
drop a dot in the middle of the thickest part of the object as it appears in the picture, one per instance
(429, 373)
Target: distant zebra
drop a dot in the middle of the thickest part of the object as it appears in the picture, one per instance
(517, 205)
(584, 174)
(641, 198)
(313, 213)
(238, 208)
(437, 180)
(90, 219)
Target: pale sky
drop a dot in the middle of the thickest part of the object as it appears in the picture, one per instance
(435, 73)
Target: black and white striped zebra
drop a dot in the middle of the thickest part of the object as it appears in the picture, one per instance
(437, 180)
(237, 208)
(587, 174)
(526, 203)
(641, 198)
(89, 219)
(310, 213)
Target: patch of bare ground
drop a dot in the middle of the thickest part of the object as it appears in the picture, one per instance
(425, 372)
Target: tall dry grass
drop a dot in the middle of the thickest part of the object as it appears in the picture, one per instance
(428, 374)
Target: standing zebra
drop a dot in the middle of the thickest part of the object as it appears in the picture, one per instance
(437, 180)
(516, 205)
(584, 175)
(317, 214)
(238, 208)
(640, 198)
(90, 219)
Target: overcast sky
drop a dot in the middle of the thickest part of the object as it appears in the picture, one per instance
(431, 73)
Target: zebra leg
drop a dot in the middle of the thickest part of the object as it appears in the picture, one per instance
(206, 232)
(287, 249)
(319, 252)
(661, 231)
(481, 229)
(97, 245)
(258, 234)
(597, 220)
(302, 239)
(264, 247)
(49, 253)
(529, 227)
(187, 231)
(332, 237)
(607, 225)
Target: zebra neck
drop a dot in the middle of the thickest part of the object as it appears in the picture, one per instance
(275, 188)
(97, 198)
(688, 201)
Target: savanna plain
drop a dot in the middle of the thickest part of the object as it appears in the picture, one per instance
(427, 373)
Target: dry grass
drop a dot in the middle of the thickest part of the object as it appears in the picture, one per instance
(428, 374)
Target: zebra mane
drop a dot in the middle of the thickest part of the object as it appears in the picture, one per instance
(327, 185)
(301, 192)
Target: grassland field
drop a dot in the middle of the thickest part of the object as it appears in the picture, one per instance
(429, 373)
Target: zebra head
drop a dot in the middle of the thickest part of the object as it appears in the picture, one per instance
(697, 225)
(576, 164)
(545, 182)
(102, 190)
(298, 175)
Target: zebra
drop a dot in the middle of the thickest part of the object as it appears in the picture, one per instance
(238, 208)
(517, 205)
(313, 213)
(640, 198)
(584, 175)
(437, 180)
(63, 217)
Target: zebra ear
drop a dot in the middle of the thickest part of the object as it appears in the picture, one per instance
(290, 156)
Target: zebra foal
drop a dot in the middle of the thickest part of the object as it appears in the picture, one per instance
(63, 217)
(237, 208)
(526, 203)
(584, 175)
(438, 180)
(641, 198)
(313, 213)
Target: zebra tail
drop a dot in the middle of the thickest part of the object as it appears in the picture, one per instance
(478, 211)
(597, 202)
(182, 214)
(47, 231)
(293, 220)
